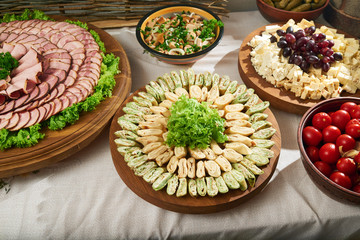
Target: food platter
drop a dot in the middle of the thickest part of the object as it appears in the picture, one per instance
(58, 145)
(188, 204)
(278, 97)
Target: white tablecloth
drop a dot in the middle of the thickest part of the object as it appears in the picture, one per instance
(83, 197)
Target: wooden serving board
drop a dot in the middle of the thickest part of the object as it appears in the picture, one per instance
(188, 204)
(58, 145)
(278, 97)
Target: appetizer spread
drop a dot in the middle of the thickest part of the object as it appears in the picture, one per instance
(196, 134)
(181, 34)
(311, 62)
(57, 66)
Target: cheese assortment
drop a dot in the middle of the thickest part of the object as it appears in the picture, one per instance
(314, 83)
(231, 159)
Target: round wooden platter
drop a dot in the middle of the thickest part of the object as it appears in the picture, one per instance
(278, 97)
(59, 145)
(188, 204)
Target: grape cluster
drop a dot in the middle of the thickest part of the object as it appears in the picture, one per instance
(305, 48)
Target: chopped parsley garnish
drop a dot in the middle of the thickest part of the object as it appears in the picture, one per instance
(7, 64)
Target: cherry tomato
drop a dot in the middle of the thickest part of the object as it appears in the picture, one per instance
(348, 106)
(329, 153)
(346, 165)
(340, 118)
(346, 142)
(356, 188)
(313, 153)
(321, 120)
(341, 179)
(330, 134)
(311, 136)
(323, 167)
(357, 158)
(354, 120)
(353, 130)
(355, 113)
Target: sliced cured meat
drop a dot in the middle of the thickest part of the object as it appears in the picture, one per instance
(54, 38)
(33, 95)
(43, 90)
(6, 116)
(30, 38)
(19, 37)
(13, 121)
(86, 84)
(3, 123)
(14, 92)
(52, 80)
(42, 114)
(65, 39)
(52, 95)
(48, 46)
(33, 105)
(61, 74)
(84, 91)
(3, 84)
(93, 60)
(29, 74)
(8, 107)
(69, 81)
(57, 106)
(76, 92)
(11, 37)
(28, 23)
(31, 60)
(50, 106)
(24, 118)
(18, 51)
(7, 47)
(72, 98)
(59, 54)
(44, 31)
(70, 46)
(51, 33)
(61, 89)
(19, 102)
(65, 102)
(3, 36)
(59, 65)
(34, 116)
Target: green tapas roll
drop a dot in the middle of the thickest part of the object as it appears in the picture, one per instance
(132, 118)
(215, 79)
(199, 80)
(130, 155)
(243, 98)
(240, 178)
(260, 107)
(136, 106)
(263, 151)
(158, 89)
(251, 167)
(211, 187)
(232, 87)
(150, 177)
(201, 186)
(182, 189)
(191, 76)
(224, 84)
(230, 180)
(144, 168)
(123, 150)
(221, 185)
(240, 90)
(169, 82)
(125, 142)
(253, 100)
(176, 79)
(149, 97)
(192, 187)
(264, 133)
(207, 80)
(184, 79)
(262, 124)
(161, 181)
(264, 143)
(164, 86)
(172, 185)
(153, 92)
(258, 159)
(143, 102)
(249, 176)
(126, 134)
(258, 117)
(136, 161)
(127, 125)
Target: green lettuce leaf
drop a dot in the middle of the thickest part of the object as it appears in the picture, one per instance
(194, 124)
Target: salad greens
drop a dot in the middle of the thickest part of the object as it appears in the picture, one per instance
(7, 63)
(194, 124)
(109, 68)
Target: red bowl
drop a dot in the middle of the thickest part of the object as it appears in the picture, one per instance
(273, 14)
(324, 183)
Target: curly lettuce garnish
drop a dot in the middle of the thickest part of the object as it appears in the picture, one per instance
(194, 124)
(109, 68)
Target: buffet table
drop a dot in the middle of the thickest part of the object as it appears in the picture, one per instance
(83, 197)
